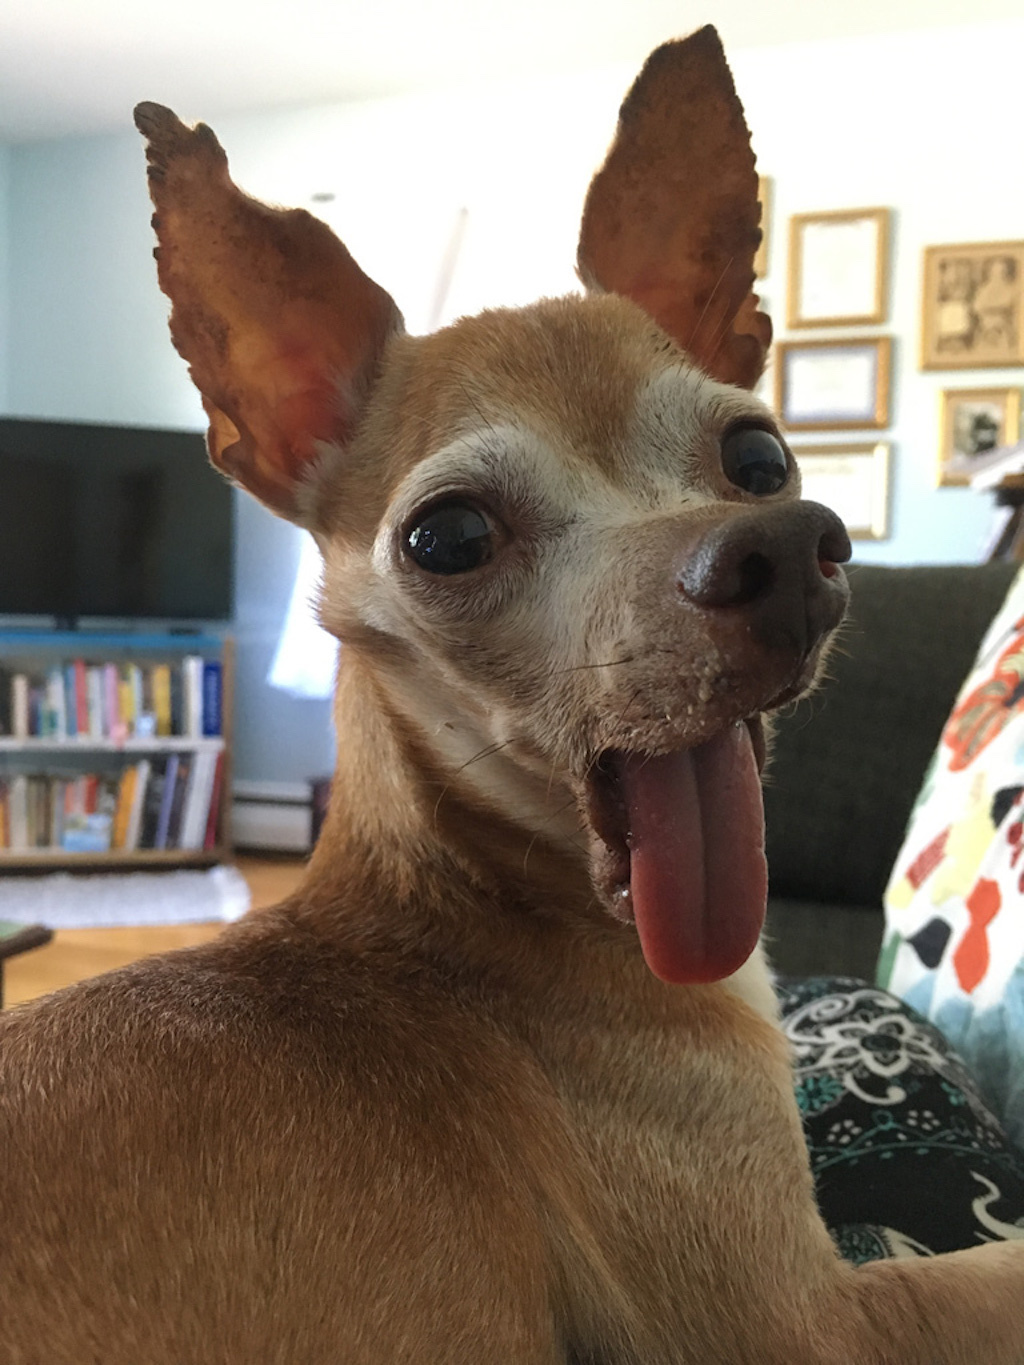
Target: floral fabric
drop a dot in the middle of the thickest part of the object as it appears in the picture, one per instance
(954, 941)
(907, 1158)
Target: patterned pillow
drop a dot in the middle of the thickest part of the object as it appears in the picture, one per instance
(954, 940)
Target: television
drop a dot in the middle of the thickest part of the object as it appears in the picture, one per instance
(113, 522)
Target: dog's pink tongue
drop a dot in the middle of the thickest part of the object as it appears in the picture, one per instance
(698, 875)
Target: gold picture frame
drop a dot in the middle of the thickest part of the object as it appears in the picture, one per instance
(839, 268)
(851, 479)
(972, 306)
(973, 423)
(764, 197)
(841, 385)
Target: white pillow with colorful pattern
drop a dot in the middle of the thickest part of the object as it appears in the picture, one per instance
(954, 906)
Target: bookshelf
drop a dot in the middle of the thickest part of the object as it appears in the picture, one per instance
(115, 748)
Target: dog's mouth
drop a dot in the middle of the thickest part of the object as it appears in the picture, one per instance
(682, 850)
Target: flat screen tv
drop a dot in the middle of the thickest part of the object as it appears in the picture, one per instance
(112, 522)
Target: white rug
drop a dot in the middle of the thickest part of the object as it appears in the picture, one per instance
(104, 901)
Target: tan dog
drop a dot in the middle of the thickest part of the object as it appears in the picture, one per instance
(503, 1081)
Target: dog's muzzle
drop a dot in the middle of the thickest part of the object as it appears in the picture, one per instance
(780, 565)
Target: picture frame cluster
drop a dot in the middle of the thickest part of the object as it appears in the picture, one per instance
(839, 279)
(972, 318)
(838, 282)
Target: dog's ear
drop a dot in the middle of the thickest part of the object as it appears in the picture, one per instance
(671, 219)
(282, 331)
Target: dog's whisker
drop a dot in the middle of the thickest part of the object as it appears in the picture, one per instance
(583, 668)
(486, 752)
(695, 331)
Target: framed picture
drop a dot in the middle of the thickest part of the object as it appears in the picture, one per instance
(854, 481)
(974, 423)
(833, 385)
(972, 312)
(764, 195)
(838, 268)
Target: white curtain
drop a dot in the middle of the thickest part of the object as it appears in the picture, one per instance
(306, 656)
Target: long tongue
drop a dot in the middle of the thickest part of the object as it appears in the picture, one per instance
(698, 875)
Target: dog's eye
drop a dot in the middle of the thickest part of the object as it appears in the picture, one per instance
(452, 537)
(754, 460)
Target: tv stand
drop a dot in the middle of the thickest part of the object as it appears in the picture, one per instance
(115, 748)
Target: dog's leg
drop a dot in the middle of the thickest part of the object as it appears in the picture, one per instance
(957, 1309)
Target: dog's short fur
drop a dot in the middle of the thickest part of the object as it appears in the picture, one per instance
(437, 1107)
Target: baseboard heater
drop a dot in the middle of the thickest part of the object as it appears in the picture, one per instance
(273, 817)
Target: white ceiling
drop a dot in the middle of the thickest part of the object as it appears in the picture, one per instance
(78, 66)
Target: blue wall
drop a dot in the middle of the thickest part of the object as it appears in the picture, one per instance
(88, 340)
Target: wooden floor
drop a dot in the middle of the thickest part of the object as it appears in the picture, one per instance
(77, 953)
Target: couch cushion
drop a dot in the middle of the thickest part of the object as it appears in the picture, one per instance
(955, 933)
(813, 938)
(848, 762)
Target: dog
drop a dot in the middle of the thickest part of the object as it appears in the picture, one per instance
(503, 1080)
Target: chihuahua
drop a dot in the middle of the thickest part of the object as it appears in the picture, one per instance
(503, 1080)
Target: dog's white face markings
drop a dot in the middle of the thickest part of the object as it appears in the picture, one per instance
(509, 655)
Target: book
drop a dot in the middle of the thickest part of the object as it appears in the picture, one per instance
(81, 697)
(126, 701)
(160, 687)
(123, 807)
(168, 785)
(55, 724)
(213, 819)
(178, 801)
(133, 828)
(213, 697)
(91, 836)
(192, 685)
(19, 706)
(113, 726)
(197, 800)
(95, 701)
(70, 704)
(18, 804)
(138, 705)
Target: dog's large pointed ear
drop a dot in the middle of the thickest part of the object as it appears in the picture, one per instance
(671, 220)
(282, 331)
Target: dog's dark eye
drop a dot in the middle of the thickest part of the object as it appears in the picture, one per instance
(452, 537)
(754, 460)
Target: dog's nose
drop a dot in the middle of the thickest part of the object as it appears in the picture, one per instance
(779, 564)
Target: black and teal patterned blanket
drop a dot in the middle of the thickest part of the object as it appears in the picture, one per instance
(907, 1159)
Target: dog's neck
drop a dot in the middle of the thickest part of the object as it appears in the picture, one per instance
(421, 784)
(413, 846)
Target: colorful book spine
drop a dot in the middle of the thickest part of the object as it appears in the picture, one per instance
(163, 823)
(197, 800)
(133, 830)
(123, 808)
(81, 697)
(113, 727)
(20, 706)
(181, 783)
(213, 818)
(192, 683)
(95, 701)
(213, 698)
(70, 704)
(160, 686)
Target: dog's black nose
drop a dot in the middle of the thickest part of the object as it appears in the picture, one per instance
(779, 564)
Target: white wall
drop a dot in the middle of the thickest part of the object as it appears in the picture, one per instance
(5, 272)
(927, 125)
